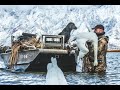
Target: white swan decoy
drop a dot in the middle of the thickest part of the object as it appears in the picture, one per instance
(51, 77)
(55, 75)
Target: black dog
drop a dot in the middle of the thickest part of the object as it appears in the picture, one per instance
(66, 31)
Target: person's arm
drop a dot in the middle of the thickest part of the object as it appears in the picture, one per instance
(107, 38)
(102, 48)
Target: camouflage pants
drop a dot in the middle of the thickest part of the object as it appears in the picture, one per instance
(88, 65)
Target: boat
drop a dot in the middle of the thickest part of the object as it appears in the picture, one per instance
(37, 59)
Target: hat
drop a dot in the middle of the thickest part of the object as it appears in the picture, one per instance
(99, 26)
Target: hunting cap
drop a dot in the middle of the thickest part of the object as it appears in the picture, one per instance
(98, 26)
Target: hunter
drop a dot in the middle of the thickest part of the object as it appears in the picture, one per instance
(102, 49)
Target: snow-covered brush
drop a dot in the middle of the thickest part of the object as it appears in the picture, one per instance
(54, 75)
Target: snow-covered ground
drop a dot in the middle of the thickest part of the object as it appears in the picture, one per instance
(51, 19)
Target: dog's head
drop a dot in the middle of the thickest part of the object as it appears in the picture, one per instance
(71, 26)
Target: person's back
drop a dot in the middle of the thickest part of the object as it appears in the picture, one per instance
(102, 49)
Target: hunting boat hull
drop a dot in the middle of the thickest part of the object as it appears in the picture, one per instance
(37, 60)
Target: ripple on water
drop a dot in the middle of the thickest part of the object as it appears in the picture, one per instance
(111, 77)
